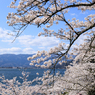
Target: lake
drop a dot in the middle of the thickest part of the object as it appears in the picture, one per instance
(10, 73)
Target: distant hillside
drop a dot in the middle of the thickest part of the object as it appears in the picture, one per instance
(12, 60)
(20, 60)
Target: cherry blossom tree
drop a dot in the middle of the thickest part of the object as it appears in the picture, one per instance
(14, 87)
(52, 12)
(49, 12)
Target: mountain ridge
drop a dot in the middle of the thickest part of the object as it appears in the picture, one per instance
(20, 60)
(13, 60)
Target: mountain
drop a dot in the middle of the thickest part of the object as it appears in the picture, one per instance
(20, 60)
(12, 60)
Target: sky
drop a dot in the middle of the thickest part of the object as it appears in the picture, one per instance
(28, 42)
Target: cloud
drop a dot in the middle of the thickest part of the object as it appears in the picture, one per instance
(45, 41)
(25, 40)
(28, 51)
(4, 36)
(16, 50)
(80, 40)
(29, 40)
(13, 50)
(24, 44)
(43, 48)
